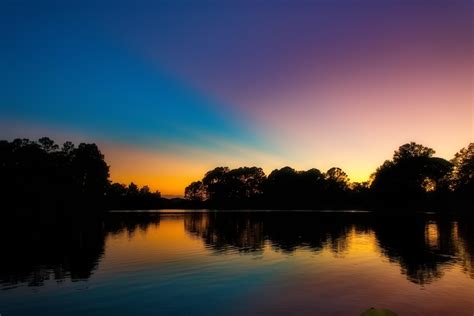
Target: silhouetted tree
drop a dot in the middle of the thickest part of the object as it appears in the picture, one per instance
(311, 187)
(117, 190)
(359, 195)
(336, 185)
(288, 188)
(47, 144)
(120, 196)
(338, 177)
(38, 177)
(196, 191)
(215, 183)
(408, 178)
(245, 182)
(90, 171)
(412, 150)
(223, 184)
(461, 178)
(145, 190)
(44, 176)
(68, 149)
(133, 189)
(282, 187)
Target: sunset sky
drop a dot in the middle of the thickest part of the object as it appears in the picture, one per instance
(171, 89)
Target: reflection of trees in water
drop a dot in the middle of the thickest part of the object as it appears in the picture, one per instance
(36, 253)
(292, 231)
(415, 245)
(422, 248)
(231, 231)
(130, 222)
(463, 236)
(60, 251)
(286, 232)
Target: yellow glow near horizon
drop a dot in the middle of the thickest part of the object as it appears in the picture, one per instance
(170, 172)
(171, 169)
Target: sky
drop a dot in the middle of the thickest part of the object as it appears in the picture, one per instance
(171, 89)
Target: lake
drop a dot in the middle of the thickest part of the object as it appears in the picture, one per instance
(239, 263)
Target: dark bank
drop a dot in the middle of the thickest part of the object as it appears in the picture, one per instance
(41, 179)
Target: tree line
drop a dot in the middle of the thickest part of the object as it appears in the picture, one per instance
(413, 178)
(40, 177)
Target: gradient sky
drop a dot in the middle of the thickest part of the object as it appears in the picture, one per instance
(172, 89)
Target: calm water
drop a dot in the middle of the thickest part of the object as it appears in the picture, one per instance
(239, 264)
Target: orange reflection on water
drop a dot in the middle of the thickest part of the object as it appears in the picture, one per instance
(464, 250)
(432, 235)
(163, 242)
(320, 265)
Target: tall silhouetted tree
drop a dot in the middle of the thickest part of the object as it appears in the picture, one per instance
(336, 186)
(412, 150)
(409, 176)
(245, 182)
(337, 179)
(215, 183)
(288, 188)
(311, 187)
(222, 185)
(42, 178)
(282, 187)
(462, 174)
(90, 171)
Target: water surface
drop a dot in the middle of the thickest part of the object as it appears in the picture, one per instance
(239, 263)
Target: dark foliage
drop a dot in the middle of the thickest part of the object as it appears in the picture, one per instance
(413, 179)
(120, 196)
(42, 179)
(39, 178)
